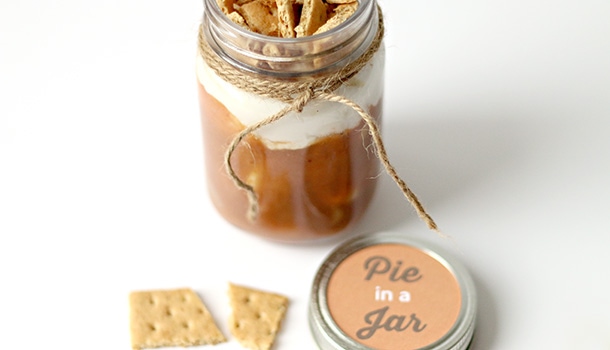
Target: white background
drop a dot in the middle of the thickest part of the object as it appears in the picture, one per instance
(497, 115)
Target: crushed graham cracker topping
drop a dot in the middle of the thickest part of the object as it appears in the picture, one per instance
(288, 18)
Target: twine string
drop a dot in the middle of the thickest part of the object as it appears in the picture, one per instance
(297, 105)
(298, 94)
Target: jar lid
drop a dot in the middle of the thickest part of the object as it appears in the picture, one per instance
(387, 291)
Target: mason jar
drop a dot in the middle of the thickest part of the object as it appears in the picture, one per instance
(311, 172)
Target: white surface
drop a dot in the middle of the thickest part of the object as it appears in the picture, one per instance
(497, 114)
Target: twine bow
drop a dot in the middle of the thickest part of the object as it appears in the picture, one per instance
(298, 94)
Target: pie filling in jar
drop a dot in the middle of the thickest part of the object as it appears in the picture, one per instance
(314, 171)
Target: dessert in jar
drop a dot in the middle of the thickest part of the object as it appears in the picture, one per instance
(311, 172)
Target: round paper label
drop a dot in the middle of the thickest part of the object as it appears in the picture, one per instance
(393, 296)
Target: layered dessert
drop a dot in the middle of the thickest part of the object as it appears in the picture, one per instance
(313, 172)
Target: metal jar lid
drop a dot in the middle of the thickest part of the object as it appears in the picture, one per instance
(388, 291)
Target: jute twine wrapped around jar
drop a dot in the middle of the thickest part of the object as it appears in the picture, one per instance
(297, 94)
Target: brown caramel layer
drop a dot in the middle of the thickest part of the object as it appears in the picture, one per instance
(303, 193)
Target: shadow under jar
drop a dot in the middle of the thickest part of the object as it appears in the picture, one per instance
(314, 171)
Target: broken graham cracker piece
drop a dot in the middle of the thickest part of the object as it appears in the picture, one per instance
(261, 16)
(286, 18)
(236, 18)
(313, 16)
(171, 318)
(257, 316)
(340, 14)
(226, 6)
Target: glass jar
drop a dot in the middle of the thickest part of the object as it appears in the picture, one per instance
(312, 172)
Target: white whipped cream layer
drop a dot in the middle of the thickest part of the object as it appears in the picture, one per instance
(318, 118)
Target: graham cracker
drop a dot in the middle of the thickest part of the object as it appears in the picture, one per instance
(313, 16)
(236, 18)
(242, 2)
(171, 318)
(226, 6)
(286, 18)
(261, 16)
(257, 316)
(340, 14)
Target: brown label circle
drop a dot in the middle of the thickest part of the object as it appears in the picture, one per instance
(393, 296)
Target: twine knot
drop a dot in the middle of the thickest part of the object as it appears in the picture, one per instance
(300, 102)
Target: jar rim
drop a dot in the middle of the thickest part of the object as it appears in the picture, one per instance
(290, 57)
